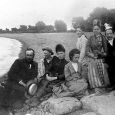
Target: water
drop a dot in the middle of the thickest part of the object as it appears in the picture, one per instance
(9, 52)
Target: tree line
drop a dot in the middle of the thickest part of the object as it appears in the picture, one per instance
(103, 14)
(40, 27)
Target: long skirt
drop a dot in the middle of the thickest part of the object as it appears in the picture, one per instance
(75, 88)
(97, 74)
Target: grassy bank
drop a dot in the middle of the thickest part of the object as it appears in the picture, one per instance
(38, 41)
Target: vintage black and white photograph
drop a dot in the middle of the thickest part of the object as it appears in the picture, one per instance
(57, 57)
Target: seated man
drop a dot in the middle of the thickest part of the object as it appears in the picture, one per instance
(46, 62)
(22, 71)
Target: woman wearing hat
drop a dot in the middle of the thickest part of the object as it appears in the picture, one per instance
(97, 48)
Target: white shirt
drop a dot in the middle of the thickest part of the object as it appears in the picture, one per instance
(75, 66)
(111, 42)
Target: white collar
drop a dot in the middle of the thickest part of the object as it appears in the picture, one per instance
(75, 66)
(111, 42)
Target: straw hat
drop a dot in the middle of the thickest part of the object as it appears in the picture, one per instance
(31, 88)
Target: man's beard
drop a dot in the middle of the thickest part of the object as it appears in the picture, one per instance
(110, 38)
(29, 60)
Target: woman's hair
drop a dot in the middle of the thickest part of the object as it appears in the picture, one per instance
(97, 22)
(73, 52)
(59, 48)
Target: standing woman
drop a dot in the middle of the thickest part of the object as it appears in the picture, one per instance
(81, 44)
(97, 74)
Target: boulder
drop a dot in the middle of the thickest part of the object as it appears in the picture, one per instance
(90, 113)
(59, 106)
(103, 104)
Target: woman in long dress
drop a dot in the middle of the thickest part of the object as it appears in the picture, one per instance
(81, 46)
(96, 51)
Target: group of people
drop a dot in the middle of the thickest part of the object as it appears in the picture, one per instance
(91, 67)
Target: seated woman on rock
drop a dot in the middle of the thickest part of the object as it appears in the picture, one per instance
(75, 84)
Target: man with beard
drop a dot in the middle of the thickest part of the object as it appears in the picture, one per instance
(110, 59)
(22, 71)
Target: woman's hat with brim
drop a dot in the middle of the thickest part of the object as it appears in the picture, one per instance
(48, 49)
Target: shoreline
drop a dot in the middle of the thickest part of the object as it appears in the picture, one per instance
(20, 55)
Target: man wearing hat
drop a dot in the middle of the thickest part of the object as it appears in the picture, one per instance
(43, 69)
(46, 62)
(110, 59)
(21, 72)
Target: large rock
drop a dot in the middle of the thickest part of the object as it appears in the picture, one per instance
(59, 106)
(103, 104)
(89, 113)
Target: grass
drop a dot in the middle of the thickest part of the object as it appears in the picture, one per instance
(38, 41)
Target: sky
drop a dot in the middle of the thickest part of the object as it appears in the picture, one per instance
(28, 12)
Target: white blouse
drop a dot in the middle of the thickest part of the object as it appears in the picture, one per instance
(75, 66)
(81, 45)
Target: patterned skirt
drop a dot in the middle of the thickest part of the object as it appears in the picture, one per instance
(97, 74)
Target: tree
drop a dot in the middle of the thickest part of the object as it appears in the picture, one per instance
(100, 13)
(14, 30)
(78, 21)
(32, 29)
(60, 26)
(48, 29)
(23, 28)
(40, 25)
(7, 30)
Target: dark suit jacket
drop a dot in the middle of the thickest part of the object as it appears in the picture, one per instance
(110, 59)
(20, 70)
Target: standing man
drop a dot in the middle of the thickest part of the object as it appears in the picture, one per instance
(22, 71)
(110, 59)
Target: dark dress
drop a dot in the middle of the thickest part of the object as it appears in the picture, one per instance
(20, 70)
(110, 60)
(57, 69)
